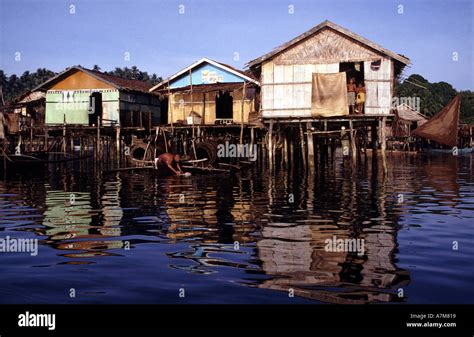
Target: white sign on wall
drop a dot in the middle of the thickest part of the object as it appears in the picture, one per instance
(211, 77)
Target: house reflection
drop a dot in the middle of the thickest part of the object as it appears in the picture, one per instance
(295, 256)
(71, 223)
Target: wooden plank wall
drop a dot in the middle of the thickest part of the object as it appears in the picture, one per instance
(180, 106)
(378, 85)
(286, 88)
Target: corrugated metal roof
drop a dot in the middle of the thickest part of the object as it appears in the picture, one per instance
(115, 81)
(245, 75)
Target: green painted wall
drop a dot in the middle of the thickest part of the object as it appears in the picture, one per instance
(75, 105)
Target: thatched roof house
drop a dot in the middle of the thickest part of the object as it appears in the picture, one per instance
(307, 76)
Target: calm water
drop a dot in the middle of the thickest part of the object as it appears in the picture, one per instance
(137, 238)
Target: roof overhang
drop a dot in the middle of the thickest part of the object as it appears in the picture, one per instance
(328, 24)
(197, 63)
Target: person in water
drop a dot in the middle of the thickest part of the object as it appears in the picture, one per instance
(170, 161)
(351, 94)
(360, 98)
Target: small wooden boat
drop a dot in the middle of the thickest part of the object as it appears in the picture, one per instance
(36, 159)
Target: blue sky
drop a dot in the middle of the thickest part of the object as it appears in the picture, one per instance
(160, 39)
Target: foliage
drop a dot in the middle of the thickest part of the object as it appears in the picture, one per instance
(434, 96)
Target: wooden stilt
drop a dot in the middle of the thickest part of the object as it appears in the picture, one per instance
(64, 134)
(291, 153)
(383, 144)
(98, 152)
(117, 143)
(270, 145)
(352, 142)
(31, 135)
(309, 136)
(242, 114)
(374, 137)
(303, 152)
(252, 140)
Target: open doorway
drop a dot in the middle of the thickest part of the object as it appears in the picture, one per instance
(355, 86)
(224, 103)
(164, 110)
(353, 69)
(95, 107)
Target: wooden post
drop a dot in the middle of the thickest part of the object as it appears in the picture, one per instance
(203, 111)
(270, 145)
(383, 144)
(352, 142)
(303, 152)
(4, 141)
(165, 140)
(309, 135)
(242, 114)
(149, 121)
(471, 142)
(374, 137)
(252, 139)
(170, 110)
(291, 153)
(117, 143)
(64, 133)
(45, 139)
(98, 152)
(31, 135)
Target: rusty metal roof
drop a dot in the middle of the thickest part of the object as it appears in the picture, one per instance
(119, 83)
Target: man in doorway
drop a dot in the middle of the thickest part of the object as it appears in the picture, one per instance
(351, 94)
(169, 161)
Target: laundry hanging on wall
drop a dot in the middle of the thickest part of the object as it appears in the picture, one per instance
(329, 95)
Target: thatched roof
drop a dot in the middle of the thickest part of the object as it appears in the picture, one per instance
(406, 113)
(324, 25)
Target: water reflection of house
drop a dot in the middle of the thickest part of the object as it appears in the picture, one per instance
(68, 223)
(296, 258)
(213, 214)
